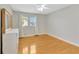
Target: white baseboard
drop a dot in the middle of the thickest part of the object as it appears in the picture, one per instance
(32, 34)
(64, 40)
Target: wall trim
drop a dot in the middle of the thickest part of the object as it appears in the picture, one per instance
(64, 40)
(32, 34)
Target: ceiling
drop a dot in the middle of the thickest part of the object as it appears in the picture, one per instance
(32, 8)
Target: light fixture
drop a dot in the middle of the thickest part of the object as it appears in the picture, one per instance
(42, 7)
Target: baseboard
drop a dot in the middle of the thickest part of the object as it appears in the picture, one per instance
(33, 35)
(64, 40)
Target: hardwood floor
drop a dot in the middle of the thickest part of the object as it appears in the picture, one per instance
(45, 44)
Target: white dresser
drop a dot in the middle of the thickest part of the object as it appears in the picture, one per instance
(10, 41)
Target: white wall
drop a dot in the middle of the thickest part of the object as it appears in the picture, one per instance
(40, 23)
(64, 23)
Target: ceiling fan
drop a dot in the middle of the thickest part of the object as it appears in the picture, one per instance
(42, 7)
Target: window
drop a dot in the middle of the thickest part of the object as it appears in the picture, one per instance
(28, 21)
(24, 21)
(32, 20)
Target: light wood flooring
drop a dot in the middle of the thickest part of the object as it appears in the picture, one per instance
(45, 44)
